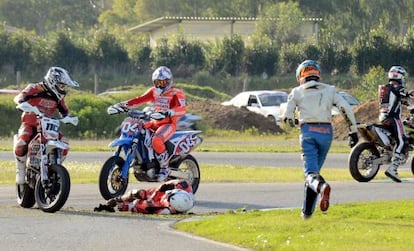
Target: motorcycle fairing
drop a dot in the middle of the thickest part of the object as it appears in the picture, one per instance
(52, 144)
(184, 142)
(50, 128)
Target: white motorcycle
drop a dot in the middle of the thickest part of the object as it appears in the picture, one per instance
(47, 180)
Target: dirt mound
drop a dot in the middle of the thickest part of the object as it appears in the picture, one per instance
(231, 118)
(364, 113)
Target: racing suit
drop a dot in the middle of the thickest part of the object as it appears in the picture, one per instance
(390, 100)
(171, 101)
(37, 95)
(314, 101)
(152, 200)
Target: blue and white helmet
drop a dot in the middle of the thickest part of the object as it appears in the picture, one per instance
(162, 79)
(56, 80)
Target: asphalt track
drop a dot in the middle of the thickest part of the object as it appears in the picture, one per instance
(77, 227)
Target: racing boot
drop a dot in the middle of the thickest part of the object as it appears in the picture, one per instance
(309, 202)
(391, 171)
(164, 168)
(20, 170)
(318, 184)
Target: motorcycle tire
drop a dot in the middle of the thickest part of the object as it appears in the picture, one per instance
(25, 196)
(360, 162)
(110, 183)
(189, 166)
(53, 198)
(412, 165)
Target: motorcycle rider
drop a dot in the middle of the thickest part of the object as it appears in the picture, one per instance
(48, 96)
(172, 197)
(169, 105)
(390, 100)
(314, 101)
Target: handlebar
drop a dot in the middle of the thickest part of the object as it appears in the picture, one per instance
(26, 107)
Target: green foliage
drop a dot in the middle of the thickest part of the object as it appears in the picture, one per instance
(368, 88)
(291, 55)
(10, 116)
(227, 56)
(68, 55)
(280, 23)
(202, 93)
(261, 59)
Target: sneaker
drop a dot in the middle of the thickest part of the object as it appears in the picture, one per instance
(391, 173)
(325, 192)
(163, 175)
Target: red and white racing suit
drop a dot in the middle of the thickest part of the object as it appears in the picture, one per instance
(37, 95)
(152, 200)
(172, 99)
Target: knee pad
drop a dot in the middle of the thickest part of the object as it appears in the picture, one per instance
(20, 148)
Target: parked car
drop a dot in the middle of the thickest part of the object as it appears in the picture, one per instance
(352, 101)
(264, 102)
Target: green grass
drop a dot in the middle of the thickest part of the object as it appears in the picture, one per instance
(224, 143)
(385, 225)
(81, 173)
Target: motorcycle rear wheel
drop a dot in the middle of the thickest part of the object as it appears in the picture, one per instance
(361, 160)
(412, 165)
(53, 198)
(25, 195)
(110, 182)
(190, 167)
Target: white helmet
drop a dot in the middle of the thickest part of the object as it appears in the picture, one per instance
(162, 79)
(397, 73)
(180, 200)
(56, 80)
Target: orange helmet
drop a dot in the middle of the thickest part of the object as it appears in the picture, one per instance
(306, 69)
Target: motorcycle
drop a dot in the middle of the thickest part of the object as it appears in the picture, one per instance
(47, 180)
(188, 122)
(376, 148)
(134, 151)
(185, 123)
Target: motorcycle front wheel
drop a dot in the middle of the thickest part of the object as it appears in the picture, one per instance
(361, 162)
(111, 184)
(191, 170)
(52, 197)
(25, 196)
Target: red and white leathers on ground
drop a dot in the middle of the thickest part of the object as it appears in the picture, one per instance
(39, 96)
(172, 99)
(153, 200)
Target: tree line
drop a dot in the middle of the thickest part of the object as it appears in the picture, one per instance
(90, 38)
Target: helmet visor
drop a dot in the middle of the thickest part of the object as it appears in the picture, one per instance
(161, 83)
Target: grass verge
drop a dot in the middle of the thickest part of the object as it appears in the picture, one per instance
(385, 225)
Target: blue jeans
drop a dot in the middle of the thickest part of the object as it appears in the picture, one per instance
(315, 140)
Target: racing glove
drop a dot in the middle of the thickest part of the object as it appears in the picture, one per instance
(162, 115)
(103, 207)
(121, 107)
(353, 139)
